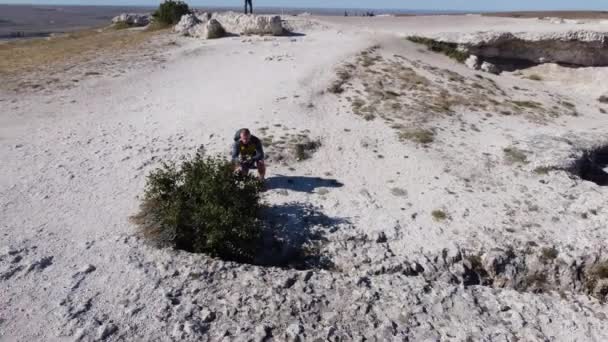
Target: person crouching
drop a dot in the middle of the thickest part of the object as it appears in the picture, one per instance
(248, 153)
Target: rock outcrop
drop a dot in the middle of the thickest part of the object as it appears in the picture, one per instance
(186, 24)
(250, 24)
(207, 25)
(132, 19)
(581, 48)
(213, 29)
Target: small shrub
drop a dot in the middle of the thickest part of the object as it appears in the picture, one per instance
(303, 150)
(421, 136)
(121, 25)
(543, 170)
(343, 74)
(449, 49)
(439, 215)
(567, 104)
(528, 104)
(601, 270)
(399, 192)
(336, 87)
(603, 99)
(157, 26)
(548, 253)
(369, 117)
(515, 155)
(171, 11)
(202, 207)
(535, 283)
(602, 110)
(535, 77)
(595, 274)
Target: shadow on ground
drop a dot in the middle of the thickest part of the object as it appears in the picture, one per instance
(289, 33)
(592, 166)
(294, 234)
(300, 183)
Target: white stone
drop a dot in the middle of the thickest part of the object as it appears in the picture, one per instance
(490, 68)
(132, 19)
(186, 24)
(472, 62)
(213, 29)
(250, 24)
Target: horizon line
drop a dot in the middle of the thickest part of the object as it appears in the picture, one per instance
(328, 8)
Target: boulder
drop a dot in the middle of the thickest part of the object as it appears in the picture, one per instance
(132, 19)
(203, 17)
(187, 24)
(216, 25)
(490, 68)
(213, 29)
(250, 24)
(472, 62)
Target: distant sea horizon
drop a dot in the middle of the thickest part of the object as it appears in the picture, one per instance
(30, 21)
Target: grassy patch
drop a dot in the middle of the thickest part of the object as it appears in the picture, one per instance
(528, 104)
(543, 170)
(449, 49)
(344, 74)
(77, 47)
(439, 215)
(421, 136)
(304, 150)
(535, 77)
(547, 254)
(568, 105)
(595, 274)
(158, 26)
(514, 155)
(121, 26)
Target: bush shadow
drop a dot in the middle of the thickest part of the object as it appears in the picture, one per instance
(300, 183)
(293, 236)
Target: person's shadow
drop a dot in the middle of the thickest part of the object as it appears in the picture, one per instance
(300, 183)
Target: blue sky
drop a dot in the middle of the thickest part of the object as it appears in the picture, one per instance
(397, 4)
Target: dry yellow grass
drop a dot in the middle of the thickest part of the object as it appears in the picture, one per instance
(29, 55)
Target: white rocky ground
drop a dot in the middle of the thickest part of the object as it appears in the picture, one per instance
(512, 259)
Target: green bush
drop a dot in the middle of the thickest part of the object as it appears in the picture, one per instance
(449, 49)
(171, 11)
(202, 207)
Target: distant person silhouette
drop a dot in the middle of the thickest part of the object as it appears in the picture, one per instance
(248, 2)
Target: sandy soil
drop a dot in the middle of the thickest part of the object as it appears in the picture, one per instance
(400, 220)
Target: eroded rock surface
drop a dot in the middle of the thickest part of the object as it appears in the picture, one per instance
(207, 25)
(582, 47)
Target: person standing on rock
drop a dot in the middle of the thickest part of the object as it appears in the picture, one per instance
(248, 153)
(249, 2)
